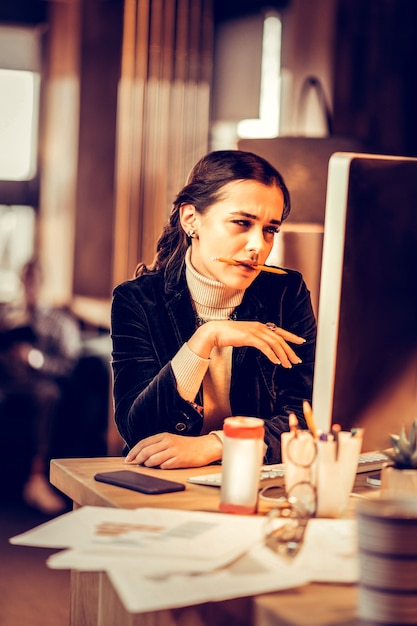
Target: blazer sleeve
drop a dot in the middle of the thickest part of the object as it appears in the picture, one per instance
(146, 400)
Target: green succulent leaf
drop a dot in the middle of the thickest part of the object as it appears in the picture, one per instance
(404, 447)
(413, 459)
(397, 458)
(403, 442)
(412, 437)
(394, 441)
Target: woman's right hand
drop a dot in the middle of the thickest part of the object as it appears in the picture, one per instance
(269, 339)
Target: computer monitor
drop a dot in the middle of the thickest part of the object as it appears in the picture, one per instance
(366, 358)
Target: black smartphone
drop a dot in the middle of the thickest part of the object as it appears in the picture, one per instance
(374, 479)
(139, 482)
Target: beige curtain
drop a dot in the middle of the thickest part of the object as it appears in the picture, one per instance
(163, 118)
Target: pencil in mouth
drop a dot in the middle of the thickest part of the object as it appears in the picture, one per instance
(262, 268)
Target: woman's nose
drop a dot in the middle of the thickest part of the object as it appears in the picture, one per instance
(255, 241)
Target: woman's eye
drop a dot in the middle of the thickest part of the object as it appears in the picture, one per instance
(270, 230)
(244, 223)
(274, 230)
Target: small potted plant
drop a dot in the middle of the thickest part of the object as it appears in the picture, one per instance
(399, 476)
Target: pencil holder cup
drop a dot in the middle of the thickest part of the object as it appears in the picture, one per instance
(337, 463)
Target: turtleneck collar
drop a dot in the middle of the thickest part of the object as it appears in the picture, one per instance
(212, 299)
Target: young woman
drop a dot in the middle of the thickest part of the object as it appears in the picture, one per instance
(196, 339)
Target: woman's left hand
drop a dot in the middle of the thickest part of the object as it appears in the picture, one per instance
(169, 451)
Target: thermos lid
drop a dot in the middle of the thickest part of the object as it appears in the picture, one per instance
(244, 427)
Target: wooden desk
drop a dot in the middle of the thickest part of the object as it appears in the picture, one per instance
(75, 478)
(95, 603)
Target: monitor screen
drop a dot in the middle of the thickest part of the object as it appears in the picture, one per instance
(366, 359)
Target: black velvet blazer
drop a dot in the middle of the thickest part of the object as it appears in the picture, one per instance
(151, 320)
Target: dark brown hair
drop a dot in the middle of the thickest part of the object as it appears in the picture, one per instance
(202, 189)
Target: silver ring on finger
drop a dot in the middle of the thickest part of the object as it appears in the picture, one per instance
(271, 326)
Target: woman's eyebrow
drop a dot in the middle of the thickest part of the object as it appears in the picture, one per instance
(255, 217)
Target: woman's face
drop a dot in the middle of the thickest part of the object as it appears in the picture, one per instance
(240, 226)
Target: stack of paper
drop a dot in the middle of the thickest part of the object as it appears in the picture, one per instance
(160, 558)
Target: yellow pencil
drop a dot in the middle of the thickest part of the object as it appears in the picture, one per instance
(293, 423)
(262, 268)
(308, 414)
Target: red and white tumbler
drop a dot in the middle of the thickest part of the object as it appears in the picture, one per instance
(243, 450)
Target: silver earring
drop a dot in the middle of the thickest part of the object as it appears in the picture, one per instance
(191, 233)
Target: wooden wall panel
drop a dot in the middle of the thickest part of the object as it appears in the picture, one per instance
(130, 126)
(163, 118)
(77, 151)
(59, 150)
(100, 51)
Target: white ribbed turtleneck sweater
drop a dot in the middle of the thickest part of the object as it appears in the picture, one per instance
(212, 301)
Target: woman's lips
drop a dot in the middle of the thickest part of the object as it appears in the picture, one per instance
(250, 264)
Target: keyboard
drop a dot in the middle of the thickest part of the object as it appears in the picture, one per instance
(371, 461)
(368, 462)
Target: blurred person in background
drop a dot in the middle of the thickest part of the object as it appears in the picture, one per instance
(39, 348)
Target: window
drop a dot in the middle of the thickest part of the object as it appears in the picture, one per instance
(20, 82)
(19, 109)
(267, 125)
